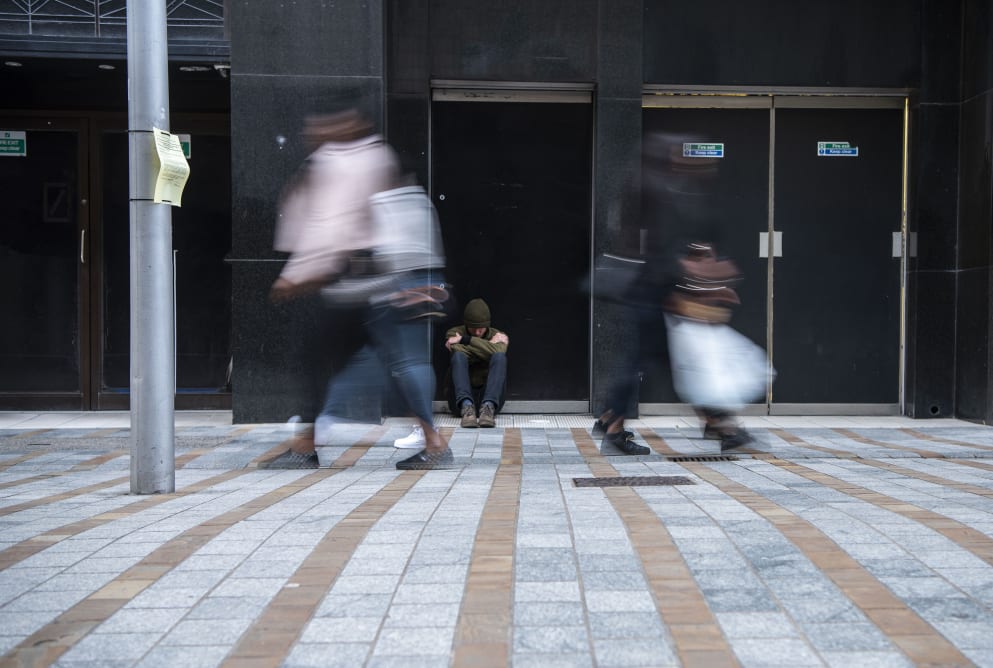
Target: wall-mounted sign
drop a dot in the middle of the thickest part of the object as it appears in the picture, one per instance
(173, 169)
(14, 143)
(187, 144)
(713, 150)
(829, 149)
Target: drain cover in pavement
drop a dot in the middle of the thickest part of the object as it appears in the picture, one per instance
(633, 481)
(703, 458)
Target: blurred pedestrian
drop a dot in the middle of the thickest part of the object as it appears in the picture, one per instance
(408, 294)
(671, 203)
(327, 225)
(714, 368)
(677, 220)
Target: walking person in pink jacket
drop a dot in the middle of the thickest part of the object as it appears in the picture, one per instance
(327, 225)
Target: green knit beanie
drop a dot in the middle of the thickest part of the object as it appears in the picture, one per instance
(476, 314)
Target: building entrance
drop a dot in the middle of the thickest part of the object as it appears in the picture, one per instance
(810, 207)
(64, 252)
(512, 182)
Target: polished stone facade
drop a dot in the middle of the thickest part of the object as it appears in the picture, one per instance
(283, 64)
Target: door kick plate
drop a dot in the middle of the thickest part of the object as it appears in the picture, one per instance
(777, 244)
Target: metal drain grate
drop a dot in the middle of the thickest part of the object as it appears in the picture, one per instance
(633, 481)
(703, 458)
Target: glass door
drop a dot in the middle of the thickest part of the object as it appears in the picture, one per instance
(201, 240)
(64, 257)
(44, 264)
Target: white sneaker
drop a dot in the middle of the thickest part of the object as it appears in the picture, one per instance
(414, 440)
(322, 430)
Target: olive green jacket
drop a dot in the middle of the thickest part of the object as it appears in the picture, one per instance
(479, 349)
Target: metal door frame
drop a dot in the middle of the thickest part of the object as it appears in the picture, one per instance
(722, 97)
(450, 90)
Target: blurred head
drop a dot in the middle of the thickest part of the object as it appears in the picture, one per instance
(663, 157)
(683, 187)
(476, 317)
(342, 126)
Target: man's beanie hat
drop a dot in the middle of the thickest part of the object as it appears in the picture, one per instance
(476, 314)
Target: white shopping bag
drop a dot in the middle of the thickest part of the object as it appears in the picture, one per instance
(713, 366)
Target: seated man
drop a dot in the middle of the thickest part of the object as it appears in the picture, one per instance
(479, 366)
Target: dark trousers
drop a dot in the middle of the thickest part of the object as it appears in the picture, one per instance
(633, 357)
(493, 391)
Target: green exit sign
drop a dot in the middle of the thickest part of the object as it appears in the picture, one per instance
(703, 150)
(826, 149)
(13, 142)
(187, 144)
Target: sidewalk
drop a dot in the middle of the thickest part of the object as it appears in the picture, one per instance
(838, 541)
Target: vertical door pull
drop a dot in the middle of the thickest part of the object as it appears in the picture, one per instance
(175, 327)
(897, 244)
(777, 244)
(82, 246)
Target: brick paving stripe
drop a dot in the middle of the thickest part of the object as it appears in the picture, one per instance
(483, 628)
(922, 644)
(268, 641)
(697, 635)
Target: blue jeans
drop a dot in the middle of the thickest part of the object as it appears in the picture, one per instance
(355, 393)
(496, 380)
(403, 347)
(399, 351)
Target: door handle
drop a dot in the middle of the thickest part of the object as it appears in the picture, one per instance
(777, 244)
(82, 246)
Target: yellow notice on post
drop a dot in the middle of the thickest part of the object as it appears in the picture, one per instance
(173, 169)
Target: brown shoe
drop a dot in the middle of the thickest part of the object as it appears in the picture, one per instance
(486, 416)
(469, 415)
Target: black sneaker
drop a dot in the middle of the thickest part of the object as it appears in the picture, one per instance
(292, 460)
(427, 460)
(735, 440)
(623, 442)
(599, 428)
(711, 433)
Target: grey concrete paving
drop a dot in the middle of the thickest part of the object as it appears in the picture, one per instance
(830, 541)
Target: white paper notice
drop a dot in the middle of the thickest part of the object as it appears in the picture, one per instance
(173, 169)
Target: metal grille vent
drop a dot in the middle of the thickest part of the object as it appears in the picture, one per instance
(187, 19)
(703, 458)
(633, 481)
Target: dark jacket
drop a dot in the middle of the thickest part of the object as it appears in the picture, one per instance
(479, 349)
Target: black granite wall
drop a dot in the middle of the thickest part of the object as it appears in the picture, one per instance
(933, 212)
(617, 160)
(547, 40)
(783, 43)
(973, 380)
(287, 60)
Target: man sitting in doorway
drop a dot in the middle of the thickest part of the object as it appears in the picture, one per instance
(479, 366)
